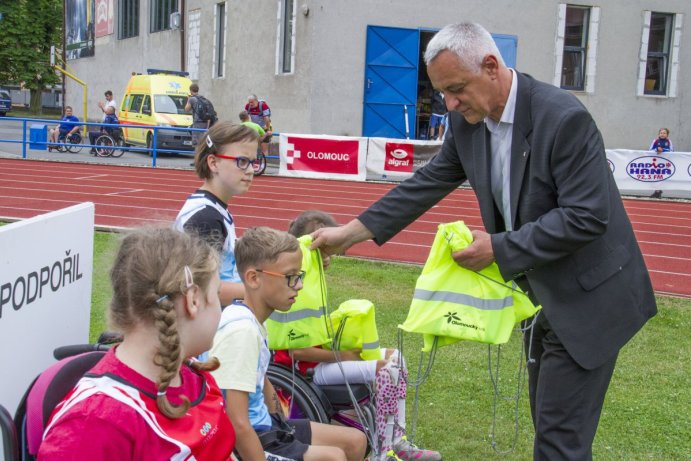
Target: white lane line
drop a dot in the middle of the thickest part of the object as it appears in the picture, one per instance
(125, 191)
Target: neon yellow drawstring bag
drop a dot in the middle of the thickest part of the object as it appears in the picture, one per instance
(455, 304)
(305, 324)
(355, 320)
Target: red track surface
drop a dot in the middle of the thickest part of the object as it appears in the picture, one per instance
(130, 196)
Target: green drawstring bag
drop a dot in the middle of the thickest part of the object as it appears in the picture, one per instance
(305, 324)
(453, 304)
(355, 321)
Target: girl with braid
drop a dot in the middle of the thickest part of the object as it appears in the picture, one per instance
(145, 399)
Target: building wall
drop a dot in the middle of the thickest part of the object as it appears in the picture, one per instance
(324, 95)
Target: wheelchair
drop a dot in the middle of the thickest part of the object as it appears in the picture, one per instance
(110, 144)
(73, 144)
(301, 398)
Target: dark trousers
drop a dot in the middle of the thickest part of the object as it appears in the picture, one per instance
(565, 398)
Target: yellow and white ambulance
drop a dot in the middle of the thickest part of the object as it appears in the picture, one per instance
(157, 99)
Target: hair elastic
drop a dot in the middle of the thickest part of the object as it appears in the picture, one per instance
(161, 299)
(161, 393)
(189, 280)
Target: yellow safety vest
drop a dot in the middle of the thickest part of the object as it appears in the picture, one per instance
(454, 303)
(355, 321)
(306, 323)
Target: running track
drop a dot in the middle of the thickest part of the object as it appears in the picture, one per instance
(131, 196)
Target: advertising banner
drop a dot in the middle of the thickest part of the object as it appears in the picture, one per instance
(646, 170)
(104, 17)
(45, 293)
(398, 159)
(335, 157)
(79, 28)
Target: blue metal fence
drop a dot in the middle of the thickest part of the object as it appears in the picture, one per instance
(43, 142)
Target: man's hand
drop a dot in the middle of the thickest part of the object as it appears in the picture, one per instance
(336, 240)
(478, 255)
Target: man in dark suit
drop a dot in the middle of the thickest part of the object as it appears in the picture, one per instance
(555, 224)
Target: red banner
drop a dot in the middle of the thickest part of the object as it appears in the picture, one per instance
(104, 17)
(322, 155)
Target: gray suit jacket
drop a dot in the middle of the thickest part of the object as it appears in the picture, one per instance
(573, 248)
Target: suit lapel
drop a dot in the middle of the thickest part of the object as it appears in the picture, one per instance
(520, 147)
(482, 169)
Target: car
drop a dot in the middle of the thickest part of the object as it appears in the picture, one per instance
(5, 103)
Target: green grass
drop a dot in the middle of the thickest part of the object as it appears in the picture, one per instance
(646, 415)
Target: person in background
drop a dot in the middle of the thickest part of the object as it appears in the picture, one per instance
(110, 102)
(65, 129)
(260, 113)
(555, 225)
(245, 120)
(223, 160)
(146, 399)
(438, 111)
(192, 105)
(661, 144)
(110, 118)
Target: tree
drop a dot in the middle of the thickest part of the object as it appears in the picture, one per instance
(29, 29)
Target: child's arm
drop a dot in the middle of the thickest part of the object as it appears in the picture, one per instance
(315, 354)
(246, 440)
(271, 398)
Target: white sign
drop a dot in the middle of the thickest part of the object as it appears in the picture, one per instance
(398, 159)
(647, 170)
(45, 293)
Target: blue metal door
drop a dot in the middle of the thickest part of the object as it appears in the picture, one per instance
(391, 76)
(507, 47)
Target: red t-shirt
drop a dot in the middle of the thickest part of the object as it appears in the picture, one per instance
(112, 414)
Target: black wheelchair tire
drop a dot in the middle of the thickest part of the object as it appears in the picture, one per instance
(74, 143)
(309, 403)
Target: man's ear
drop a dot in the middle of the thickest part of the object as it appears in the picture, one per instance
(490, 64)
(192, 301)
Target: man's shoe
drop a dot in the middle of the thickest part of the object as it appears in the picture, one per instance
(407, 451)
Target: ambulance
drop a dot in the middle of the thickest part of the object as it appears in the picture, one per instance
(157, 99)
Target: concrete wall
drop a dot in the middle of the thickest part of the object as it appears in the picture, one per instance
(325, 92)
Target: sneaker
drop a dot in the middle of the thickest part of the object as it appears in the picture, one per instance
(407, 451)
(390, 456)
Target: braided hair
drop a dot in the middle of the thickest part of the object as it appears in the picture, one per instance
(152, 268)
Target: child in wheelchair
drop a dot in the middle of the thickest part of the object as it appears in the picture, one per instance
(269, 263)
(389, 374)
(144, 399)
(114, 132)
(65, 130)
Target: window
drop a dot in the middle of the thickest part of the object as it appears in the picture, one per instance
(657, 64)
(136, 103)
(219, 56)
(160, 14)
(286, 35)
(128, 14)
(575, 48)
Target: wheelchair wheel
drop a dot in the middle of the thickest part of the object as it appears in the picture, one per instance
(74, 142)
(104, 146)
(260, 164)
(306, 403)
(118, 152)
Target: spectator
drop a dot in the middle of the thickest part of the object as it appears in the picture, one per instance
(145, 399)
(438, 111)
(260, 113)
(245, 120)
(193, 105)
(661, 144)
(109, 103)
(269, 263)
(555, 224)
(65, 129)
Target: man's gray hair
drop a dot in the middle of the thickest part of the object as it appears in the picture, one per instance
(252, 97)
(469, 41)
